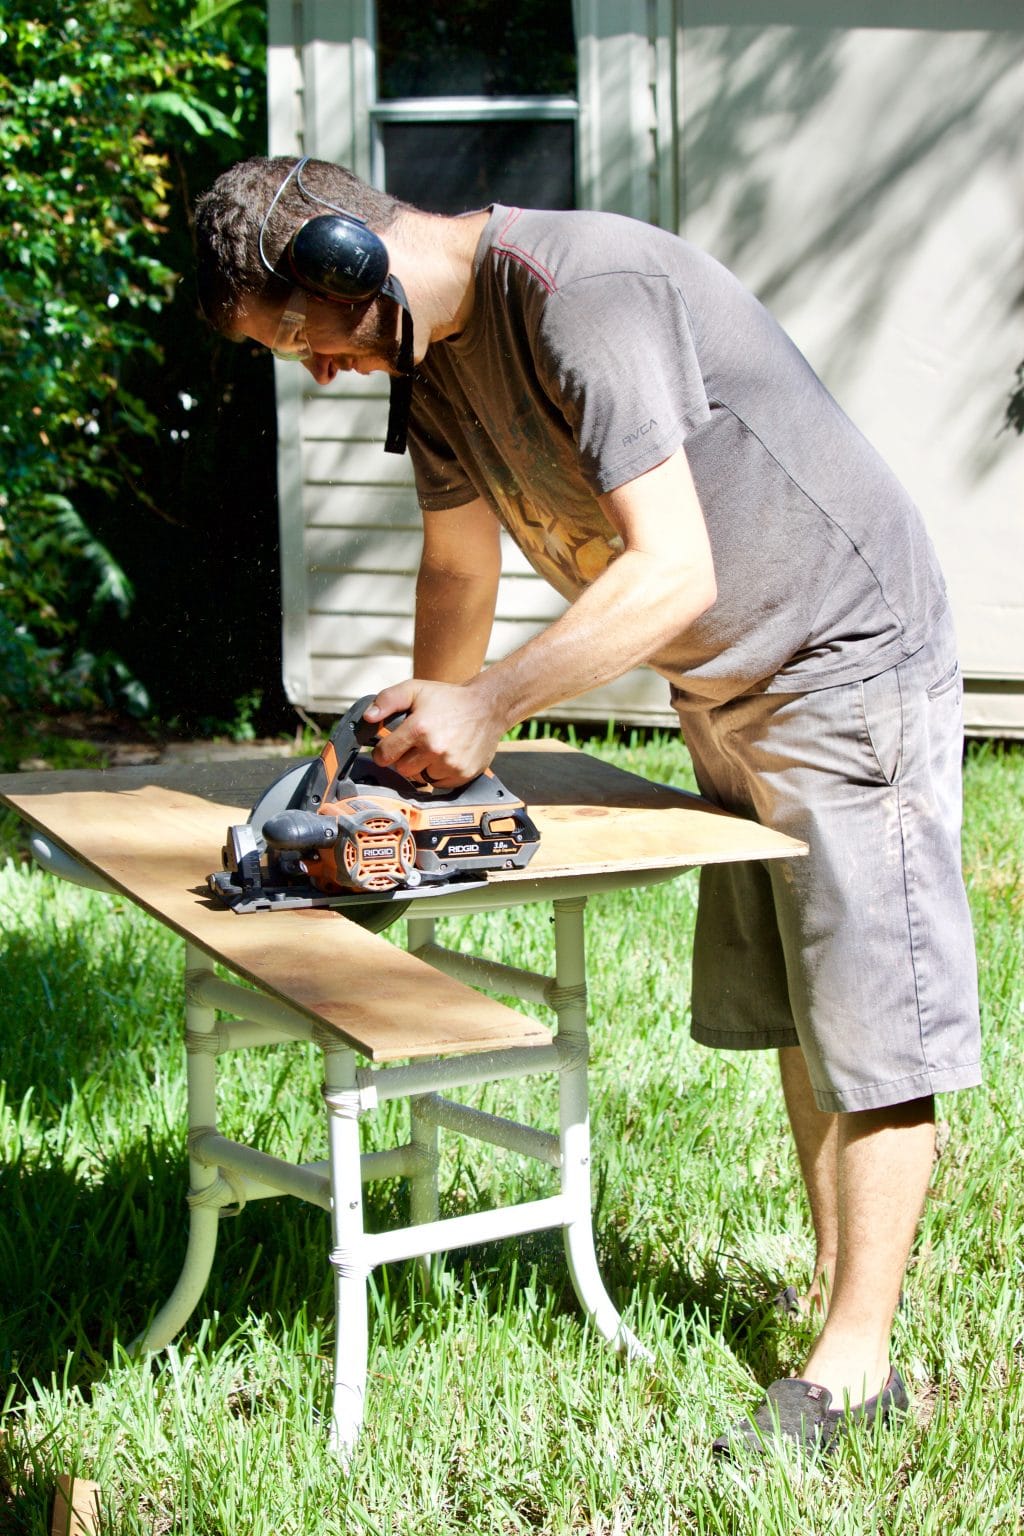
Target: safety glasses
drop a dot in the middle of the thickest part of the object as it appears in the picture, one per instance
(291, 344)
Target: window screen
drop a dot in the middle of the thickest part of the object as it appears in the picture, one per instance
(453, 167)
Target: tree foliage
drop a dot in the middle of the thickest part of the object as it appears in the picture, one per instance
(98, 101)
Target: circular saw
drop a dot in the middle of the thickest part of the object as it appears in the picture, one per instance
(340, 831)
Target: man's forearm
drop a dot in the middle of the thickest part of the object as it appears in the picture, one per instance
(454, 616)
(630, 612)
(637, 606)
(661, 583)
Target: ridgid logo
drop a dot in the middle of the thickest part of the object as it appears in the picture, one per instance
(641, 431)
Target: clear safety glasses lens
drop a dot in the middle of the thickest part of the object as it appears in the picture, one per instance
(290, 344)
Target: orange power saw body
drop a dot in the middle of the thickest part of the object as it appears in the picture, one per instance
(339, 831)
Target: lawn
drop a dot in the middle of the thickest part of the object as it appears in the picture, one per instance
(491, 1408)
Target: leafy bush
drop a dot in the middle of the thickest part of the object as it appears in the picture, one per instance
(94, 97)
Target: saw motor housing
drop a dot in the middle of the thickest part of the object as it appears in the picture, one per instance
(341, 828)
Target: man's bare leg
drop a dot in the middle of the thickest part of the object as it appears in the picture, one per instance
(815, 1134)
(880, 1172)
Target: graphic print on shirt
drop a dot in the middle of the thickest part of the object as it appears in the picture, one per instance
(564, 535)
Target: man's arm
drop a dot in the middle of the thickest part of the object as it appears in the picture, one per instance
(661, 583)
(456, 591)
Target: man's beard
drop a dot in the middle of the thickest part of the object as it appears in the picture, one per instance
(377, 331)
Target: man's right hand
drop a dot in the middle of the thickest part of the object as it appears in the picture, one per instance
(449, 736)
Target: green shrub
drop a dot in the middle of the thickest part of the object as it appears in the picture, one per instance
(94, 95)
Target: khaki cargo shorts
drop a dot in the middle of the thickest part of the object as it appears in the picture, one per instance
(862, 953)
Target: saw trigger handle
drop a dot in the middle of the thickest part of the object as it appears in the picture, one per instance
(367, 733)
(350, 734)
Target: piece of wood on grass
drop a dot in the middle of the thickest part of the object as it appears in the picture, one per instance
(76, 1507)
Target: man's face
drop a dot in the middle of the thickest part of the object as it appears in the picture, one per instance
(327, 338)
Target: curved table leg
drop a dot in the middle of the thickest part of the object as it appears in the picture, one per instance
(191, 1283)
(207, 1191)
(569, 999)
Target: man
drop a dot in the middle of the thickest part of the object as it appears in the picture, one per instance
(667, 459)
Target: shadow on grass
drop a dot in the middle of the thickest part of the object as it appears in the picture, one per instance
(66, 1012)
(705, 1292)
(710, 1292)
(85, 1265)
(92, 1241)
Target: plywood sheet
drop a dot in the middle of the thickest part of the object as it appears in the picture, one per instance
(155, 833)
(157, 845)
(596, 819)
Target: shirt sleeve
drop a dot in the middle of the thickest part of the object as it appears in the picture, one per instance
(615, 352)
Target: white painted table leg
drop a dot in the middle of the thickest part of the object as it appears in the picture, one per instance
(207, 1194)
(569, 998)
(423, 1136)
(348, 1260)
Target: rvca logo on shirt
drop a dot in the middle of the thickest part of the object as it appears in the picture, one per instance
(642, 431)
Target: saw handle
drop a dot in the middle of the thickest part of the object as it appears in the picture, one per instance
(353, 732)
(340, 751)
(367, 733)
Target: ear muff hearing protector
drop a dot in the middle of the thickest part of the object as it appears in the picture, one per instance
(338, 257)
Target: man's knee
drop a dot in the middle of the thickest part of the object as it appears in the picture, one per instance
(908, 1115)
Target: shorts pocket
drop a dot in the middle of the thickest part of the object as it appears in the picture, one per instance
(946, 682)
(882, 704)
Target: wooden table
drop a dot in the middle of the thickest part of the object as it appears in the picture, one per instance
(154, 834)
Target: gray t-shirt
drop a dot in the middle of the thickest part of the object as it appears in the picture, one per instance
(596, 347)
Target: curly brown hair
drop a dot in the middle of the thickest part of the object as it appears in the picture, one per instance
(229, 271)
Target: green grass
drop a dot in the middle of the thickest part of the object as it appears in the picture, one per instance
(492, 1408)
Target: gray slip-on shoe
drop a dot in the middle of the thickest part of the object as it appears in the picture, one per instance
(801, 1412)
(787, 1303)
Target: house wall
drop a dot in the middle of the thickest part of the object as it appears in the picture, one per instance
(863, 176)
(859, 166)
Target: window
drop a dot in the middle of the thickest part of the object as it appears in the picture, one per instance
(476, 103)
